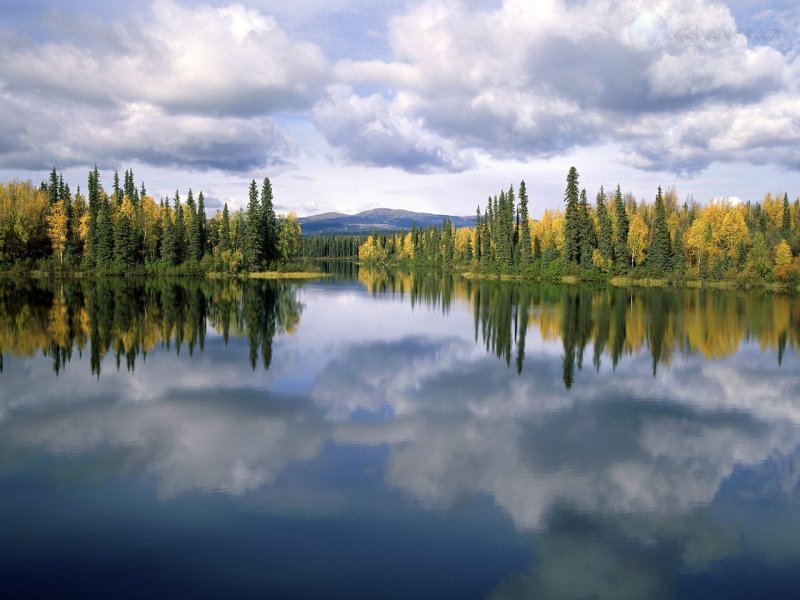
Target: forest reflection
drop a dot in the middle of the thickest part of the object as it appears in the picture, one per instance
(128, 318)
(605, 322)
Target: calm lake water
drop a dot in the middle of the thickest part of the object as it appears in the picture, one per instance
(393, 436)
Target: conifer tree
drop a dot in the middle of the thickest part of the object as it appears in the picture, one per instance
(225, 230)
(202, 224)
(105, 236)
(587, 235)
(572, 237)
(169, 251)
(117, 191)
(659, 253)
(179, 230)
(124, 247)
(254, 240)
(194, 247)
(621, 255)
(786, 221)
(525, 252)
(605, 242)
(478, 233)
(52, 189)
(269, 223)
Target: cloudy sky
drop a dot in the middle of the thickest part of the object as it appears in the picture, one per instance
(419, 104)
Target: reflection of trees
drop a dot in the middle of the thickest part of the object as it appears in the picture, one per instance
(616, 321)
(127, 318)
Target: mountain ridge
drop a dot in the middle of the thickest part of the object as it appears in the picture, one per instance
(375, 219)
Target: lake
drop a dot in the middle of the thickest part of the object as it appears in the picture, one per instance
(390, 435)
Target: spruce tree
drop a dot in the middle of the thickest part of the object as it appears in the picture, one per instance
(225, 230)
(605, 242)
(169, 252)
(94, 208)
(786, 221)
(105, 236)
(486, 236)
(179, 230)
(52, 188)
(117, 190)
(621, 255)
(194, 246)
(587, 235)
(478, 233)
(269, 223)
(124, 247)
(202, 224)
(254, 240)
(659, 253)
(572, 226)
(525, 252)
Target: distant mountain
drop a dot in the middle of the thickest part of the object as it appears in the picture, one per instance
(377, 219)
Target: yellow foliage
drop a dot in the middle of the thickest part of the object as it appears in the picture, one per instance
(783, 260)
(638, 235)
(57, 229)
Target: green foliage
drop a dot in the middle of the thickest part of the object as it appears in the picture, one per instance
(605, 242)
(659, 253)
(621, 256)
(526, 251)
(572, 219)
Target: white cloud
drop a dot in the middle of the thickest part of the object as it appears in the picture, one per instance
(537, 79)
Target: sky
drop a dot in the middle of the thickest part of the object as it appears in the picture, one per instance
(428, 105)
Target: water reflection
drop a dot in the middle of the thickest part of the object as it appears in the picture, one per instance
(128, 318)
(672, 461)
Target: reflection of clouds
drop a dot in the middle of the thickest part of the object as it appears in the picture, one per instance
(626, 443)
(206, 444)
(458, 422)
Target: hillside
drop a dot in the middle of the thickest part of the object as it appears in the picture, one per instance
(377, 219)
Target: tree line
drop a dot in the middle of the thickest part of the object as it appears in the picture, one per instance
(126, 230)
(615, 236)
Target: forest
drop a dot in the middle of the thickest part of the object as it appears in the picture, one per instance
(666, 240)
(49, 228)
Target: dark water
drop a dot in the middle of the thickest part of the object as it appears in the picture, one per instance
(393, 436)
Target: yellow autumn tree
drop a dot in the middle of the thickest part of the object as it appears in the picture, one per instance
(57, 229)
(638, 234)
(406, 247)
(783, 261)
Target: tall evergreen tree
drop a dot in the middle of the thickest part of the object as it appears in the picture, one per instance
(572, 227)
(169, 250)
(179, 230)
(225, 230)
(786, 220)
(526, 251)
(202, 224)
(124, 245)
(478, 233)
(105, 236)
(621, 255)
(194, 245)
(269, 223)
(117, 190)
(605, 242)
(94, 209)
(659, 253)
(254, 240)
(52, 188)
(588, 240)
